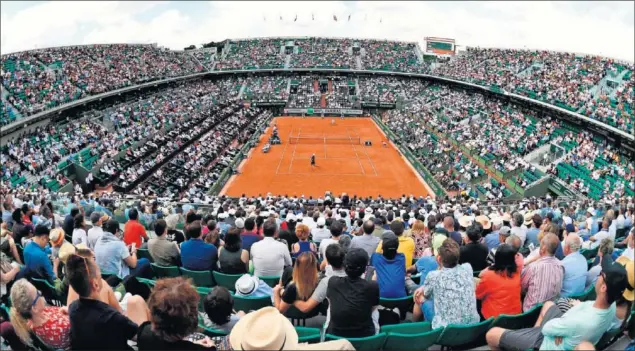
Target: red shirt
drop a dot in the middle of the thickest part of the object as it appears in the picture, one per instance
(500, 294)
(56, 331)
(133, 231)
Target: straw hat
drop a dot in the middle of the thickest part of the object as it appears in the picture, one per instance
(485, 222)
(264, 329)
(465, 221)
(629, 292)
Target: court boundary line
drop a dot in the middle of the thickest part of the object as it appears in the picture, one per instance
(293, 155)
(356, 154)
(370, 160)
(283, 152)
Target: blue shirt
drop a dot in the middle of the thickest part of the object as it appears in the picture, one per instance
(198, 255)
(37, 263)
(491, 240)
(7, 218)
(390, 275)
(425, 265)
(248, 240)
(575, 272)
(110, 253)
(532, 237)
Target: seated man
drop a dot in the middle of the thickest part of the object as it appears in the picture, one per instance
(36, 260)
(390, 269)
(196, 254)
(113, 256)
(554, 330)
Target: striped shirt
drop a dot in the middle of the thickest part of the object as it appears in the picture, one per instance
(542, 281)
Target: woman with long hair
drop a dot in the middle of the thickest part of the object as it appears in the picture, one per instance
(79, 230)
(499, 287)
(421, 236)
(302, 285)
(31, 315)
(303, 245)
(232, 258)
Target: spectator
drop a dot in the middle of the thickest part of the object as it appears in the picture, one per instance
(542, 279)
(503, 235)
(499, 285)
(555, 330)
(250, 235)
(335, 230)
(320, 232)
(303, 245)
(493, 239)
(133, 231)
(114, 257)
(232, 258)
(304, 282)
(421, 235)
(94, 324)
(575, 267)
(163, 252)
(442, 290)
(173, 308)
(79, 230)
(602, 234)
(335, 257)
(389, 268)
(31, 316)
(605, 256)
(352, 296)
(219, 309)
(448, 224)
(196, 254)
(474, 252)
(406, 245)
(36, 260)
(250, 286)
(69, 221)
(532, 232)
(518, 227)
(21, 232)
(173, 234)
(368, 242)
(269, 256)
(94, 233)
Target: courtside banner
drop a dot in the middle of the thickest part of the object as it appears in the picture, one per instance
(339, 111)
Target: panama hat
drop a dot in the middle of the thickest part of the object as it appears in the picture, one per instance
(629, 292)
(465, 221)
(484, 221)
(264, 329)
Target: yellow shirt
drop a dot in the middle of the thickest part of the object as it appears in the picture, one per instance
(406, 247)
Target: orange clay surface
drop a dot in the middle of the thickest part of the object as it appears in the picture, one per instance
(351, 168)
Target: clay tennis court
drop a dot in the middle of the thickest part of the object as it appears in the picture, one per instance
(343, 163)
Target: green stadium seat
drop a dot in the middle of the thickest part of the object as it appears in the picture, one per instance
(309, 335)
(272, 281)
(247, 304)
(519, 321)
(201, 279)
(465, 336)
(165, 272)
(227, 281)
(412, 342)
(371, 343)
(144, 253)
(407, 328)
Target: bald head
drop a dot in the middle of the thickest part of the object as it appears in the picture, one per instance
(549, 244)
(572, 243)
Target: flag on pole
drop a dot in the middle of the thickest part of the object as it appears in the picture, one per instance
(335, 18)
(313, 17)
(349, 18)
(296, 17)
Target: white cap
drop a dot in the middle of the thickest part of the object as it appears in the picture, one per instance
(290, 217)
(264, 214)
(591, 210)
(240, 224)
(223, 215)
(231, 211)
(321, 221)
(368, 210)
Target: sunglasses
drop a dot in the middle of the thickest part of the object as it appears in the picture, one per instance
(38, 294)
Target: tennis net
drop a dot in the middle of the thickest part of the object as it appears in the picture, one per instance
(324, 140)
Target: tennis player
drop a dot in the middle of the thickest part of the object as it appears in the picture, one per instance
(312, 160)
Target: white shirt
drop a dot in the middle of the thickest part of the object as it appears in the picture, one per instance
(94, 234)
(520, 232)
(620, 221)
(269, 257)
(324, 244)
(630, 253)
(320, 234)
(599, 236)
(79, 237)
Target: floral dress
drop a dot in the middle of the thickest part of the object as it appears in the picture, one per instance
(422, 242)
(56, 331)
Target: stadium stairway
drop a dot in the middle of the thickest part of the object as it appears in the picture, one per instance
(287, 61)
(323, 101)
(316, 86)
(330, 85)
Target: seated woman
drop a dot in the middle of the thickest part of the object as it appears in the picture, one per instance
(173, 320)
(301, 286)
(302, 231)
(232, 258)
(499, 287)
(219, 308)
(31, 315)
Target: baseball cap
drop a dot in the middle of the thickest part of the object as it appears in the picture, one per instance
(616, 279)
(356, 259)
(321, 221)
(504, 231)
(629, 266)
(389, 242)
(239, 223)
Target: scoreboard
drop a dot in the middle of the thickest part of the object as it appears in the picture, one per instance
(440, 46)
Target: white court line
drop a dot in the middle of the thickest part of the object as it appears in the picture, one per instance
(284, 150)
(294, 147)
(356, 154)
(324, 175)
(369, 160)
(324, 136)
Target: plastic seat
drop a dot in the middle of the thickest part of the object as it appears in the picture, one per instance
(404, 304)
(212, 332)
(48, 292)
(227, 281)
(587, 295)
(200, 278)
(310, 335)
(589, 253)
(370, 343)
(407, 328)
(299, 317)
(272, 281)
(465, 337)
(607, 339)
(519, 321)
(149, 282)
(202, 292)
(246, 304)
(144, 253)
(412, 342)
(165, 272)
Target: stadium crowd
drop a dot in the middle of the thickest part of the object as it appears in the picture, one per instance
(295, 256)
